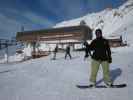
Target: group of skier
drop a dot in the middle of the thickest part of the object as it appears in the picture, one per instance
(66, 54)
(100, 53)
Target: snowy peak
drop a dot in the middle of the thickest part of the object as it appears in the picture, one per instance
(127, 7)
(109, 20)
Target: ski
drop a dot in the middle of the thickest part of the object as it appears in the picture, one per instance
(101, 86)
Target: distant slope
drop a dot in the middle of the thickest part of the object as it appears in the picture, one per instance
(111, 21)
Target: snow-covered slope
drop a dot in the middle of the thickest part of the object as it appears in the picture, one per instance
(45, 79)
(111, 21)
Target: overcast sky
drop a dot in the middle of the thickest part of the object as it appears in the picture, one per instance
(40, 14)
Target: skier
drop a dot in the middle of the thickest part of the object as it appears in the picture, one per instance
(55, 51)
(68, 52)
(87, 50)
(101, 56)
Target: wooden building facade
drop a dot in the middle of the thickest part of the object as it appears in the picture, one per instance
(80, 33)
(116, 42)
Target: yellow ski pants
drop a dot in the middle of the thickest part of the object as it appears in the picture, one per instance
(94, 70)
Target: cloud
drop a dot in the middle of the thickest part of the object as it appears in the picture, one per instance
(8, 26)
(68, 9)
(11, 21)
(40, 20)
(63, 8)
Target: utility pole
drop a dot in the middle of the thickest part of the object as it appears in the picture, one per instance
(6, 53)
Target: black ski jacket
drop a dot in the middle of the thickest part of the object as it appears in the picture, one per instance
(67, 49)
(101, 49)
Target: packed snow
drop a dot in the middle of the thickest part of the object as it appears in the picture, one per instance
(46, 79)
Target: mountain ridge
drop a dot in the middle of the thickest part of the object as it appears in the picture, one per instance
(109, 20)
